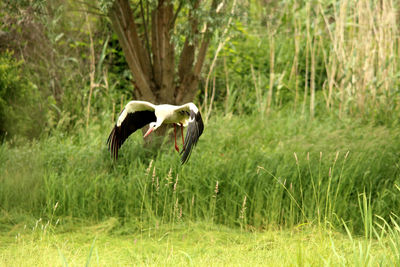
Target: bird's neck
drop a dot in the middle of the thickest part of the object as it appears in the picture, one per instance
(159, 121)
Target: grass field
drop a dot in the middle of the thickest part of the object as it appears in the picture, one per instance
(190, 244)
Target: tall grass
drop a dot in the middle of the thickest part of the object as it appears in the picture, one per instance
(245, 171)
(337, 57)
(362, 67)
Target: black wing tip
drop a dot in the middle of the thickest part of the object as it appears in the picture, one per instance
(195, 129)
(185, 159)
(113, 142)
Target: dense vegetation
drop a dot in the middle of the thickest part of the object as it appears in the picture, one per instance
(270, 171)
(301, 110)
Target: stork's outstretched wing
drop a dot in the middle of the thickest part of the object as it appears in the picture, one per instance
(134, 116)
(195, 129)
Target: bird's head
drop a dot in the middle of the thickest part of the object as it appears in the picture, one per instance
(152, 126)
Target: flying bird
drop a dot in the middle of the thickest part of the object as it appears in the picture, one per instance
(138, 114)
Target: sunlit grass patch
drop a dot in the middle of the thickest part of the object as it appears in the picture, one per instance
(192, 243)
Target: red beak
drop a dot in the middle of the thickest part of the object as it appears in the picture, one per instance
(148, 132)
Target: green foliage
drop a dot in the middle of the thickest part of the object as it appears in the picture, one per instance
(119, 71)
(15, 5)
(105, 5)
(55, 42)
(21, 111)
(268, 42)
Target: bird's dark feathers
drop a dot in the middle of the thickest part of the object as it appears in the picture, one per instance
(131, 123)
(195, 129)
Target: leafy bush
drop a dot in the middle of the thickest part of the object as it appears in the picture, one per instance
(21, 111)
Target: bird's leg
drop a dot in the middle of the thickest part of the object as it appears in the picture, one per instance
(183, 138)
(176, 146)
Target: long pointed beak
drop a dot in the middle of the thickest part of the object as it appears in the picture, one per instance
(148, 132)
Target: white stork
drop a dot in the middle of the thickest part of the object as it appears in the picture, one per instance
(137, 114)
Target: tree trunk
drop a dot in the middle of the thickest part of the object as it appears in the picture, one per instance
(153, 69)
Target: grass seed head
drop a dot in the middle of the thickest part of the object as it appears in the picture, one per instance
(337, 156)
(176, 183)
(149, 168)
(243, 210)
(216, 189)
(295, 156)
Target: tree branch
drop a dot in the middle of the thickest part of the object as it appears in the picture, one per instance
(146, 35)
(187, 89)
(125, 27)
(176, 14)
(163, 50)
(187, 56)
